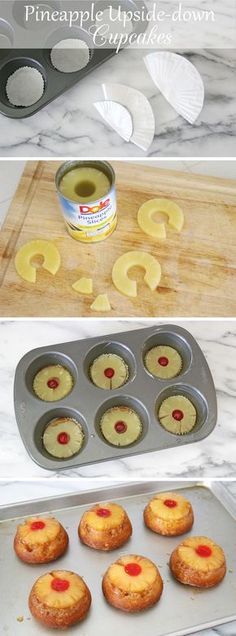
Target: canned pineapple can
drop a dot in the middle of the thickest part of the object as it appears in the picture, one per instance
(88, 221)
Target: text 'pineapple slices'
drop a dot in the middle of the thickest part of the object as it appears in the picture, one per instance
(157, 229)
(83, 286)
(136, 258)
(27, 252)
(101, 303)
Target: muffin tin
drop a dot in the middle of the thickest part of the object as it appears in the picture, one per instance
(27, 46)
(182, 609)
(87, 403)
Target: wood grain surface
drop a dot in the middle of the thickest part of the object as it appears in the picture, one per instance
(198, 266)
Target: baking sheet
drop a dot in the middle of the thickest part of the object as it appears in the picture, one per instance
(182, 610)
(87, 403)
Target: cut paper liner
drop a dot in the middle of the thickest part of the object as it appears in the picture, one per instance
(116, 116)
(179, 82)
(139, 108)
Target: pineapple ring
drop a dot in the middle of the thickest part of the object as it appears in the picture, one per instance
(138, 258)
(38, 530)
(63, 437)
(52, 383)
(133, 583)
(40, 540)
(121, 426)
(198, 561)
(163, 362)
(109, 371)
(156, 229)
(169, 514)
(59, 599)
(177, 415)
(47, 249)
(104, 517)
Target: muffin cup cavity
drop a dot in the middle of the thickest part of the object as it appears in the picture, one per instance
(111, 348)
(170, 339)
(9, 68)
(46, 419)
(130, 403)
(195, 397)
(66, 33)
(47, 360)
(7, 36)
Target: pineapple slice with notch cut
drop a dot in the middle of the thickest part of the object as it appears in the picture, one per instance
(63, 437)
(177, 414)
(109, 371)
(27, 252)
(163, 362)
(157, 229)
(137, 258)
(52, 383)
(121, 426)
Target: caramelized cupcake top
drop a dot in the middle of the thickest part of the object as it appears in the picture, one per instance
(201, 553)
(132, 573)
(104, 516)
(60, 589)
(170, 505)
(38, 530)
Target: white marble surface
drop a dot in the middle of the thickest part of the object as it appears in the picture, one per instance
(70, 126)
(11, 171)
(213, 457)
(22, 491)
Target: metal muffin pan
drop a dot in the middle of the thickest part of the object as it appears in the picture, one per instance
(142, 391)
(56, 82)
(181, 610)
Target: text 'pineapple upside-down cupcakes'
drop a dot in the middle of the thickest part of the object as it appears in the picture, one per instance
(105, 527)
(40, 540)
(198, 561)
(59, 599)
(133, 583)
(169, 514)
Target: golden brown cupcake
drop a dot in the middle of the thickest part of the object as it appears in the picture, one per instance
(109, 371)
(177, 415)
(52, 383)
(133, 583)
(198, 561)
(105, 527)
(63, 437)
(121, 426)
(59, 599)
(169, 514)
(163, 362)
(40, 540)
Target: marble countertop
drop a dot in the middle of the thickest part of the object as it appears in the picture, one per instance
(71, 126)
(22, 491)
(213, 457)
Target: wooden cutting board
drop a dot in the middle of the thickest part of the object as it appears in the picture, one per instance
(198, 266)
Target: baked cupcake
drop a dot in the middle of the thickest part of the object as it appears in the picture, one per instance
(52, 383)
(109, 371)
(40, 540)
(198, 561)
(163, 362)
(59, 599)
(121, 426)
(177, 415)
(63, 437)
(133, 583)
(105, 527)
(169, 514)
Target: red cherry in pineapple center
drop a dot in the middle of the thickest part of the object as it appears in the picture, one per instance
(37, 525)
(60, 585)
(109, 372)
(163, 361)
(178, 415)
(170, 503)
(53, 383)
(63, 438)
(103, 512)
(120, 427)
(204, 551)
(133, 569)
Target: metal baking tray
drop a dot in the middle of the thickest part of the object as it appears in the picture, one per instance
(87, 403)
(56, 83)
(182, 610)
